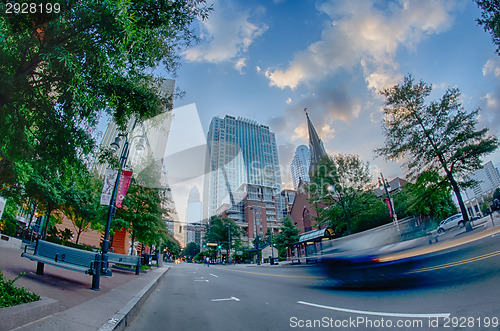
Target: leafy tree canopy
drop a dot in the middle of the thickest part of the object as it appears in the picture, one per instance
(437, 137)
(60, 70)
(217, 231)
(490, 19)
(338, 184)
(288, 235)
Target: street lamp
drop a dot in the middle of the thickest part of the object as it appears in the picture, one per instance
(115, 146)
(386, 186)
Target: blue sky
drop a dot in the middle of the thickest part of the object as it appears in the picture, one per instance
(268, 60)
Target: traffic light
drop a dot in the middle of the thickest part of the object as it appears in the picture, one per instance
(220, 246)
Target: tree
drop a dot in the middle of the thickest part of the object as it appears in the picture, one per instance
(490, 19)
(496, 194)
(288, 235)
(217, 231)
(190, 250)
(430, 197)
(59, 71)
(142, 213)
(339, 184)
(370, 212)
(439, 137)
(82, 201)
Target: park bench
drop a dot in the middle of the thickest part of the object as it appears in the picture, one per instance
(126, 260)
(45, 252)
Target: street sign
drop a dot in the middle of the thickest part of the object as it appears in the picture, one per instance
(211, 244)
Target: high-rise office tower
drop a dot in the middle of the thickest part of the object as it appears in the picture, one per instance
(241, 151)
(300, 165)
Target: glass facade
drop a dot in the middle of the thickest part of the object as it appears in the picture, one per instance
(240, 151)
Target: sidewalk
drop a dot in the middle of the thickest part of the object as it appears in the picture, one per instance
(67, 302)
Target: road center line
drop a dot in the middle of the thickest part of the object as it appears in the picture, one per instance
(375, 313)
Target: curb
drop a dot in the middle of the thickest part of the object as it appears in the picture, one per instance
(11, 317)
(124, 316)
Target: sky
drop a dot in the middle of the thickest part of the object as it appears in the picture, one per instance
(268, 60)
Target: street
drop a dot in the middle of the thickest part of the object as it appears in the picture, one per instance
(244, 297)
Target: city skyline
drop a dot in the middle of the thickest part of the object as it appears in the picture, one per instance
(332, 57)
(241, 151)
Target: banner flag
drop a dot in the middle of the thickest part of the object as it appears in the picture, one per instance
(125, 179)
(389, 205)
(108, 187)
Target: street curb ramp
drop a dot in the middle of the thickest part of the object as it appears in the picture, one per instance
(124, 316)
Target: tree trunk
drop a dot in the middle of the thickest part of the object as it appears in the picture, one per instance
(463, 209)
(49, 211)
(79, 231)
(132, 243)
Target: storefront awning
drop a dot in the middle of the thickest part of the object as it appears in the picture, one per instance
(317, 235)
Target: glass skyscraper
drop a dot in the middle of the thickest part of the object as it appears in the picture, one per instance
(300, 165)
(241, 151)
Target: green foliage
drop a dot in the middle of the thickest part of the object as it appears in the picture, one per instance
(172, 245)
(11, 295)
(490, 19)
(191, 250)
(429, 197)
(339, 184)
(496, 194)
(217, 231)
(438, 137)
(60, 72)
(82, 199)
(371, 212)
(288, 235)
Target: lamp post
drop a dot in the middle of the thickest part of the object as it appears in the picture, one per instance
(386, 186)
(115, 146)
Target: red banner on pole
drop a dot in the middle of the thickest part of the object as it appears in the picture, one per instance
(125, 178)
(389, 205)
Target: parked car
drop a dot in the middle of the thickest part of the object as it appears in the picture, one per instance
(451, 222)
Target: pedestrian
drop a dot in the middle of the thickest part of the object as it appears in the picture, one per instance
(207, 261)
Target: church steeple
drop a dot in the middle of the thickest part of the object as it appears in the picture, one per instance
(315, 146)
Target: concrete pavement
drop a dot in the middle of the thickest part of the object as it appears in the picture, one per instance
(67, 302)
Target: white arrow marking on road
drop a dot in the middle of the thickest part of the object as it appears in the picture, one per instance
(227, 299)
(363, 312)
(214, 275)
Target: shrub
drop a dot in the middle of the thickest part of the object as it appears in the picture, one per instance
(11, 295)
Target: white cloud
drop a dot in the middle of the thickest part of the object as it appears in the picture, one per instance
(492, 66)
(363, 33)
(240, 64)
(226, 36)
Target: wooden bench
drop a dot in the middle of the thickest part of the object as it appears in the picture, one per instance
(45, 252)
(130, 260)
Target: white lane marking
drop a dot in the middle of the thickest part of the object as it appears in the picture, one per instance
(214, 275)
(201, 280)
(226, 299)
(364, 312)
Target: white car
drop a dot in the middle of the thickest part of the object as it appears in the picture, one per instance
(451, 222)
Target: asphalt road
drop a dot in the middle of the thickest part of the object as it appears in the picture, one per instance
(196, 297)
